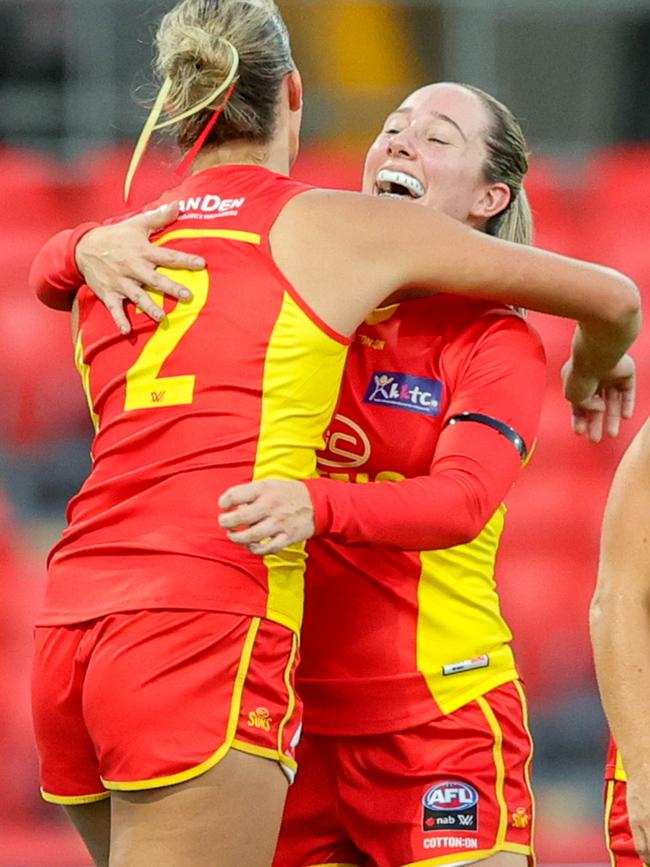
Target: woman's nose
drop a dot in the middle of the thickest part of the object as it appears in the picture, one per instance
(399, 144)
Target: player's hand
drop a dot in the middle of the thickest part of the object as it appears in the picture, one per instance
(268, 515)
(598, 405)
(118, 262)
(638, 807)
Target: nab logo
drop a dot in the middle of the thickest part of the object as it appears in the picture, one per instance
(403, 391)
(451, 796)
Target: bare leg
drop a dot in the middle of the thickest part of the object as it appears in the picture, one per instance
(228, 816)
(504, 859)
(93, 821)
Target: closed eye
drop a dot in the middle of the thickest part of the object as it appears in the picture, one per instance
(438, 140)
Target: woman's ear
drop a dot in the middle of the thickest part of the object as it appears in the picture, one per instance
(494, 200)
(294, 83)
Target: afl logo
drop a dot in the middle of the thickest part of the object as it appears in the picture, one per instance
(347, 446)
(450, 796)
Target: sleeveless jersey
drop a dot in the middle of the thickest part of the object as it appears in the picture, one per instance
(393, 638)
(237, 384)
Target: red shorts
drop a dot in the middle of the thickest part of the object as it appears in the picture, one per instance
(145, 699)
(618, 833)
(454, 790)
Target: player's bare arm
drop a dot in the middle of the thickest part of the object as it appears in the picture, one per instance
(401, 251)
(620, 627)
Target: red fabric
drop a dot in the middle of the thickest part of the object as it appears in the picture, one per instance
(348, 788)
(472, 473)
(610, 765)
(473, 465)
(620, 841)
(359, 672)
(158, 471)
(54, 275)
(133, 698)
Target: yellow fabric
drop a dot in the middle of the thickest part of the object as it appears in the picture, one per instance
(73, 800)
(500, 767)
(302, 376)
(619, 770)
(230, 234)
(291, 704)
(468, 856)
(609, 801)
(459, 620)
(524, 711)
(145, 388)
(84, 373)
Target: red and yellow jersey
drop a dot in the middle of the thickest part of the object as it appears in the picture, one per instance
(442, 390)
(238, 383)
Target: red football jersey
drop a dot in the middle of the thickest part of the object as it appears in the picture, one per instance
(237, 384)
(393, 637)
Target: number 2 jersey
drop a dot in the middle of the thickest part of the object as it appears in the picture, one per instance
(440, 404)
(238, 383)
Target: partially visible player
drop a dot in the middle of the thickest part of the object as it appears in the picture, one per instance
(620, 632)
(416, 746)
(446, 391)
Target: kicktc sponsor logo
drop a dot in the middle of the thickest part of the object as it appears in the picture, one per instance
(450, 806)
(403, 391)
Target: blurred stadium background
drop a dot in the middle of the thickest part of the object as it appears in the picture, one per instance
(576, 71)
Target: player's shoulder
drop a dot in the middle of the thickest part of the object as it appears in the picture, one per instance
(503, 330)
(503, 319)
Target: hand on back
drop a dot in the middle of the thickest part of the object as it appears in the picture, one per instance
(119, 263)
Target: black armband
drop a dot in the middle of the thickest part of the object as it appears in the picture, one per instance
(500, 427)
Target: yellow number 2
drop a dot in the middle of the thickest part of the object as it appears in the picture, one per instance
(145, 389)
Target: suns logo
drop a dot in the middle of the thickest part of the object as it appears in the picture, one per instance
(260, 718)
(348, 445)
(520, 818)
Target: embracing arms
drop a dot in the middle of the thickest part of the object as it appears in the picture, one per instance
(399, 251)
(117, 261)
(475, 462)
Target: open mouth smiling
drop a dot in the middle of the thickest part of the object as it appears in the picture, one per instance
(398, 185)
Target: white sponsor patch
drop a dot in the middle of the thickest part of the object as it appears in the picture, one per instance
(208, 207)
(450, 843)
(467, 664)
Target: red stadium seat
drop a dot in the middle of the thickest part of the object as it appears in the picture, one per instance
(554, 201)
(332, 168)
(36, 188)
(618, 184)
(103, 173)
(40, 393)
